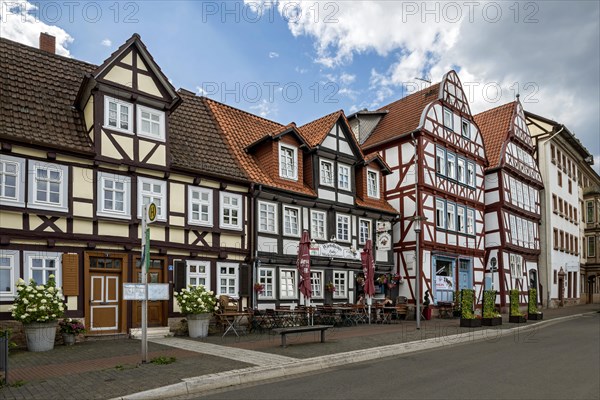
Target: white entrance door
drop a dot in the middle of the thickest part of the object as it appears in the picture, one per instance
(104, 303)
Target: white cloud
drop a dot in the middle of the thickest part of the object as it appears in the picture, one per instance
(346, 78)
(273, 54)
(106, 42)
(265, 109)
(19, 21)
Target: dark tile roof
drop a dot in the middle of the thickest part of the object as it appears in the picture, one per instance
(196, 143)
(494, 125)
(403, 116)
(37, 93)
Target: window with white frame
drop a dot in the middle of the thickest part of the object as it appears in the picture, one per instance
(153, 191)
(318, 225)
(373, 184)
(118, 115)
(343, 227)
(198, 273)
(461, 170)
(9, 273)
(451, 216)
(340, 282)
(460, 219)
(227, 279)
(466, 129)
(266, 277)
(326, 177)
(364, 231)
(448, 118)
(267, 217)
(470, 221)
(48, 186)
(40, 265)
(451, 165)
(12, 179)
(516, 266)
(316, 284)
(471, 174)
(287, 283)
(291, 221)
(231, 211)
(200, 206)
(114, 195)
(343, 177)
(150, 123)
(513, 229)
(440, 214)
(440, 160)
(288, 167)
(532, 234)
(520, 231)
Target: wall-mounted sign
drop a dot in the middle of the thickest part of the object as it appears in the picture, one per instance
(444, 283)
(135, 291)
(334, 250)
(384, 226)
(384, 241)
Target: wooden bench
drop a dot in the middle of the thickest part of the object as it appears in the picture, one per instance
(301, 329)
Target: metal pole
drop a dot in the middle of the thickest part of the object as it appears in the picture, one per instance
(418, 279)
(418, 236)
(145, 254)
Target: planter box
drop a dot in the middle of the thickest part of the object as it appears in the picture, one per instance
(470, 323)
(535, 317)
(517, 319)
(491, 321)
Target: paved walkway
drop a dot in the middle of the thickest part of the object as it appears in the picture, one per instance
(110, 368)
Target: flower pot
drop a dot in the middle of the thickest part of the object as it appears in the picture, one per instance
(198, 325)
(68, 339)
(470, 323)
(517, 319)
(426, 313)
(40, 335)
(535, 316)
(491, 321)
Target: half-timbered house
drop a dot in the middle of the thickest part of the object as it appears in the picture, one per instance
(83, 148)
(314, 178)
(589, 189)
(512, 202)
(435, 150)
(559, 154)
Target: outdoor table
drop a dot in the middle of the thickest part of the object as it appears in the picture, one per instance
(233, 319)
(288, 317)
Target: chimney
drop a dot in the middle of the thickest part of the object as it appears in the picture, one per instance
(47, 43)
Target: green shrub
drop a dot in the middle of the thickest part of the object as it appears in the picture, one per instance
(514, 304)
(467, 300)
(489, 304)
(532, 305)
(457, 300)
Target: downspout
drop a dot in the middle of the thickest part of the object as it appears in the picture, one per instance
(254, 192)
(417, 237)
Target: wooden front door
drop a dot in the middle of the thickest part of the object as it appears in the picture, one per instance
(103, 284)
(157, 308)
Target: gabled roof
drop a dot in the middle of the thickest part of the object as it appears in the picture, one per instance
(278, 133)
(564, 131)
(37, 93)
(375, 157)
(242, 129)
(196, 143)
(494, 126)
(316, 131)
(403, 116)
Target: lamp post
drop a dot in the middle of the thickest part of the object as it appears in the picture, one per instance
(417, 227)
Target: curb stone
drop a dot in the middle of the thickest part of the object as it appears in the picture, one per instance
(255, 374)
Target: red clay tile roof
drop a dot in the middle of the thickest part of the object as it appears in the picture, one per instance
(37, 92)
(404, 116)
(241, 129)
(196, 143)
(381, 205)
(494, 126)
(315, 131)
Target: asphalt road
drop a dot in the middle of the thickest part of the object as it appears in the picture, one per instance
(558, 361)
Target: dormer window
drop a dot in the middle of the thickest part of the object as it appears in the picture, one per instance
(150, 123)
(288, 167)
(373, 184)
(118, 115)
(343, 177)
(326, 173)
(466, 129)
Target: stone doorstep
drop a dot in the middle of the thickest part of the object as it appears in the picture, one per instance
(152, 333)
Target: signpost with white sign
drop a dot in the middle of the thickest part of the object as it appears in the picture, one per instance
(149, 212)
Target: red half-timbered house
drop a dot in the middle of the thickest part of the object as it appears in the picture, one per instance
(512, 202)
(435, 150)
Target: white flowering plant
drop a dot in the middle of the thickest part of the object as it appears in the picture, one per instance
(196, 300)
(38, 303)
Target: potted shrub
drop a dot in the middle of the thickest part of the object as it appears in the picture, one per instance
(426, 310)
(533, 313)
(516, 316)
(468, 318)
(491, 317)
(38, 308)
(70, 328)
(457, 304)
(197, 304)
(330, 287)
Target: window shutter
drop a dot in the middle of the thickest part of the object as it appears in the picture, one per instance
(180, 275)
(70, 274)
(244, 281)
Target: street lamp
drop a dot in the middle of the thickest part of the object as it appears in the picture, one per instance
(417, 227)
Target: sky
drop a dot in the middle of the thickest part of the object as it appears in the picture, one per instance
(299, 60)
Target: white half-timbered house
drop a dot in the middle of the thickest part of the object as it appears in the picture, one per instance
(512, 203)
(83, 147)
(313, 178)
(435, 150)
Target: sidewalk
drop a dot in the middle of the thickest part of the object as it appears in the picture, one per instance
(110, 368)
